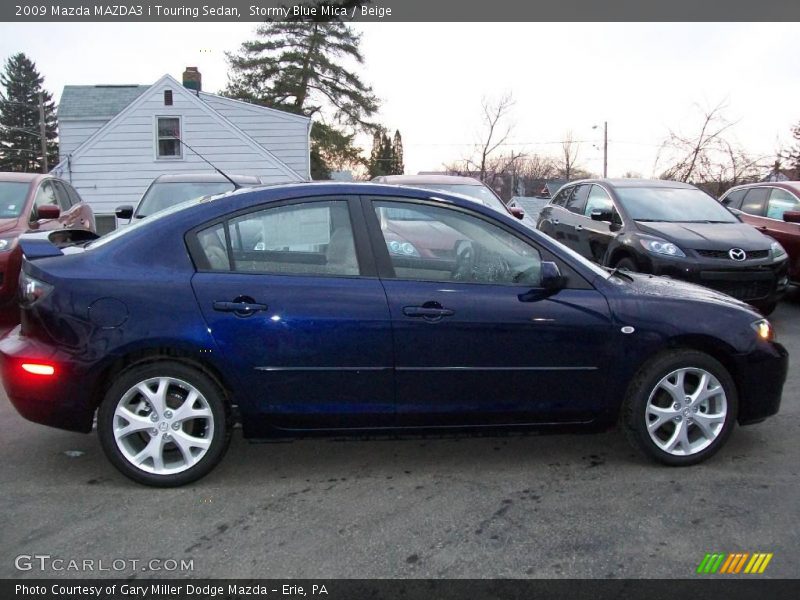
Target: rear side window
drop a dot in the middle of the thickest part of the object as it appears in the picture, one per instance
(314, 238)
(734, 199)
(577, 201)
(63, 198)
(561, 196)
(754, 200)
(74, 197)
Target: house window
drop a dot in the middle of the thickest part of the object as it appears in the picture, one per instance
(167, 97)
(168, 144)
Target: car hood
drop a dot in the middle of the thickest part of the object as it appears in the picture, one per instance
(8, 224)
(664, 287)
(709, 236)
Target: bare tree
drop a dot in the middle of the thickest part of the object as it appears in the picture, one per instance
(537, 167)
(569, 156)
(496, 132)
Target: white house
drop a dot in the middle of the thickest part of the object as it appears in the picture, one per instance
(115, 139)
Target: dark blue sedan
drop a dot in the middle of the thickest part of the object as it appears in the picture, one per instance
(353, 308)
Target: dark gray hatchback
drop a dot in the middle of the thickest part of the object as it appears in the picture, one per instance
(667, 228)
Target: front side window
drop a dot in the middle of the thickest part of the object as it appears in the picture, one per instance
(314, 238)
(46, 194)
(779, 202)
(598, 200)
(168, 132)
(443, 244)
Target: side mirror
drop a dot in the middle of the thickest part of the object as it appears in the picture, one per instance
(517, 212)
(124, 212)
(792, 216)
(602, 215)
(551, 280)
(47, 212)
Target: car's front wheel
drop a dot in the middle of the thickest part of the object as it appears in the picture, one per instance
(164, 424)
(680, 408)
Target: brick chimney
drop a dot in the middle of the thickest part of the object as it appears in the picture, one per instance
(192, 80)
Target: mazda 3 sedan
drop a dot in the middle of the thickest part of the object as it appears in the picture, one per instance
(286, 306)
(668, 228)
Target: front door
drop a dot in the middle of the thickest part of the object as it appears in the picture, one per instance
(476, 340)
(284, 293)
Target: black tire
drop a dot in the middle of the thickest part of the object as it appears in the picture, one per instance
(767, 308)
(210, 393)
(634, 416)
(626, 264)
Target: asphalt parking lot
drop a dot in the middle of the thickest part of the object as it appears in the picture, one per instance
(535, 506)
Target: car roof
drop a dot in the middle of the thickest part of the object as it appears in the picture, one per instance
(21, 177)
(426, 180)
(793, 186)
(638, 183)
(206, 177)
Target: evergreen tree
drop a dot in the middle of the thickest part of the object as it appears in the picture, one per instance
(381, 159)
(20, 145)
(299, 67)
(398, 167)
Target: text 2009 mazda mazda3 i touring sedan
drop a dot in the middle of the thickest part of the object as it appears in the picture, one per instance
(291, 304)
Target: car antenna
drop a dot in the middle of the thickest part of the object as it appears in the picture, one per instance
(236, 186)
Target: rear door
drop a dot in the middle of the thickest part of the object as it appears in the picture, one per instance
(290, 295)
(573, 221)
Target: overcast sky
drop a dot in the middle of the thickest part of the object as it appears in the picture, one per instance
(644, 79)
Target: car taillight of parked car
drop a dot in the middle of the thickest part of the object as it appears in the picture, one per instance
(32, 290)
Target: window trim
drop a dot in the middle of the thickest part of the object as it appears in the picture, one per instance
(766, 202)
(385, 267)
(364, 258)
(156, 155)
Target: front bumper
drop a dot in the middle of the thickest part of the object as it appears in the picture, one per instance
(760, 376)
(758, 282)
(61, 400)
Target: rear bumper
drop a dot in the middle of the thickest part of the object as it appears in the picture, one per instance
(55, 400)
(760, 376)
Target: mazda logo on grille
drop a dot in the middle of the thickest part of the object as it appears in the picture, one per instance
(737, 254)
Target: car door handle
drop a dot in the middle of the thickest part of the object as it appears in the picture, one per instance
(556, 221)
(427, 312)
(240, 308)
(578, 227)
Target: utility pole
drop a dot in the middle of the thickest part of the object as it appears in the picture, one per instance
(42, 133)
(605, 149)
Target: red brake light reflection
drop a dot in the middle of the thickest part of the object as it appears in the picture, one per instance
(38, 369)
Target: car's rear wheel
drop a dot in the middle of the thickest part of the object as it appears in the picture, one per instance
(164, 424)
(680, 408)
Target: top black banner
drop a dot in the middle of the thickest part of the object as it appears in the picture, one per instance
(401, 10)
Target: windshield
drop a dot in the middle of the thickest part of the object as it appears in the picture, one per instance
(12, 198)
(673, 205)
(477, 192)
(163, 195)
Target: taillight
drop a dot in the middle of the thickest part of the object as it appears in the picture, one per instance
(38, 368)
(32, 290)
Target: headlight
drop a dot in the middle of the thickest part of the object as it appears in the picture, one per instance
(402, 248)
(7, 244)
(32, 290)
(776, 251)
(764, 329)
(657, 246)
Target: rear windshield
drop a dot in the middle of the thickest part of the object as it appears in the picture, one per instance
(12, 198)
(673, 205)
(165, 194)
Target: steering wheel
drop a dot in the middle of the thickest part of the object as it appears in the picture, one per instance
(464, 269)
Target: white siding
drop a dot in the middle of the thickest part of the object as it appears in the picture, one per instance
(283, 134)
(117, 165)
(72, 133)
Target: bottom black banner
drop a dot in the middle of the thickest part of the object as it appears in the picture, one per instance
(401, 589)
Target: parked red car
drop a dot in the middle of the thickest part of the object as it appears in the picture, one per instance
(33, 202)
(774, 209)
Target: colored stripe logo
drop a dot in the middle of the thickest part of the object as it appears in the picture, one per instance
(734, 564)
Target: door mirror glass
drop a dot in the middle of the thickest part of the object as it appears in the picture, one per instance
(124, 212)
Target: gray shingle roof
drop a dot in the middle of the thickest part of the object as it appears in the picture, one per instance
(96, 101)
